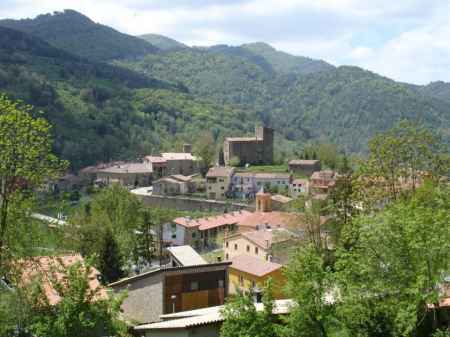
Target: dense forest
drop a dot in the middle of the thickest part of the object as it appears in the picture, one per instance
(132, 96)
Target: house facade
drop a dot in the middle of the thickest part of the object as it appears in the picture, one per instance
(322, 182)
(246, 184)
(218, 182)
(250, 274)
(298, 187)
(176, 184)
(126, 174)
(174, 289)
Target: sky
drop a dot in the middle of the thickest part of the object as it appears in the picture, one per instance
(406, 40)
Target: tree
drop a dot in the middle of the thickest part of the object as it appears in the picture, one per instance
(110, 259)
(398, 259)
(205, 148)
(241, 318)
(398, 161)
(81, 311)
(26, 161)
(310, 283)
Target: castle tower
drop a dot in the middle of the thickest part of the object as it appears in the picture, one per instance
(265, 135)
(263, 201)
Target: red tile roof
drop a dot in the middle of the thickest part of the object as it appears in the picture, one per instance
(48, 267)
(266, 237)
(244, 219)
(253, 265)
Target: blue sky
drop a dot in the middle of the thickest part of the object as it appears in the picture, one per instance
(407, 40)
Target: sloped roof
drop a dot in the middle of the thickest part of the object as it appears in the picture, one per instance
(246, 219)
(51, 267)
(156, 159)
(253, 265)
(128, 168)
(266, 237)
(206, 316)
(220, 171)
(186, 256)
(281, 198)
(178, 156)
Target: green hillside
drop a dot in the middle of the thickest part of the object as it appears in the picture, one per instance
(101, 112)
(77, 34)
(162, 42)
(285, 63)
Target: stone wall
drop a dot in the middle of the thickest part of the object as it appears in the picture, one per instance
(193, 204)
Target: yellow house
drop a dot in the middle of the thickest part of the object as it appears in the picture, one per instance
(248, 273)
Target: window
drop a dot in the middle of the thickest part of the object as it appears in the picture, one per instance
(248, 248)
(227, 256)
(241, 280)
(256, 250)
(226, 244)
(194, 285)
(174, 235)
(221, 284)
(194, 234)
(253, 284)
(222, 187)
(235, 246)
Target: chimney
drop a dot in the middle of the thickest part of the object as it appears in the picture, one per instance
(187, 148)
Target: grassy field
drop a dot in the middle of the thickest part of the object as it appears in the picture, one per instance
(265, 169)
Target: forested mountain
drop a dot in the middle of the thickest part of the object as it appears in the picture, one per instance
(77, 34)
(101, 112)
(285, 63)
(141, 104)
(163, 42)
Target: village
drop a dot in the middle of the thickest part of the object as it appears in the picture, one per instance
(253, 229)
(254, 223)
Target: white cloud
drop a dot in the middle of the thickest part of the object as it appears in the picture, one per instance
(406, 40)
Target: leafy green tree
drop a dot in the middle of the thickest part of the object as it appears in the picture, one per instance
(81, 311)
(26, 161)
(205, 148)
(398, 259)
(243, 320)
(311, 285)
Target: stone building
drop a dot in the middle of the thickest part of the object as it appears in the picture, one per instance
(322, 182)
(218, 182)
(169, 163)
(250, 150)
(176, 184)
(126, 174)
(298, 187)
(304, 167)
(173, 289)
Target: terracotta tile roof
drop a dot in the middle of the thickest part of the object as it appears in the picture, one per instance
(253, 265)
(326, 175)
(244, 219)
(266, 237)
(220, 171)
(48, 267)
(304, 162)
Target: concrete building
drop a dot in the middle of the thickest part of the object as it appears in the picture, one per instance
(250, 150)
(170, 163)
(218, 182)
(182, 256)
(171, 290)
(176, 184)
(247, 184)
(266, 244)
(126, 174)
(250, 274)
(304, 167)
(298, 187)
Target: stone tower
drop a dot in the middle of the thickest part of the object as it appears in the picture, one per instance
(263, 201)
(265, 135)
